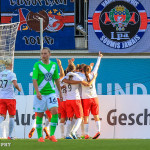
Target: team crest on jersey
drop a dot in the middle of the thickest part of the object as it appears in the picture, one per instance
(48, 76)
(119, 24)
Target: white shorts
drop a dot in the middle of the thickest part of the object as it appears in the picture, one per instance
(47, 102)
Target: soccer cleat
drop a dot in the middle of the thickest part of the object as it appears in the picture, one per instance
(46, 132)
(68, 137)
(41, 139)
(31, 133)
(96, 135)
(52, 138)
(73, 135)
(46, 137)
(10, 138)
(87, 136)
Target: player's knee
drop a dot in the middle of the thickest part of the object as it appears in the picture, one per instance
(54, 111)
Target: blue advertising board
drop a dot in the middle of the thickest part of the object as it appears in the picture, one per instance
(115, 76)
(58, 22)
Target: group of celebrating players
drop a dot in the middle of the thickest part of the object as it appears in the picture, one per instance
(70, 96)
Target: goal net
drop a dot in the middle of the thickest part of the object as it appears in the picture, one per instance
(8, 33)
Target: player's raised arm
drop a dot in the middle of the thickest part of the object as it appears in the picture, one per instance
(97, 63)
(62, 74)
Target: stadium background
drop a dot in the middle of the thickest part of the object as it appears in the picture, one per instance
(119, 74)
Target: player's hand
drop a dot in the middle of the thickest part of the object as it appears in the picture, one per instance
(61, 97)
(58, 62)
(39, 96)
(92, 64)
(100, 55)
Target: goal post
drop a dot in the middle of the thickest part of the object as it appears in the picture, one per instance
(8, 33)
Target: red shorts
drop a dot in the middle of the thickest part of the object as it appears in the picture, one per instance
(8, 104)
(91, 104)
(47, 112)
(59, 106)
(63, 109)
(74, 107)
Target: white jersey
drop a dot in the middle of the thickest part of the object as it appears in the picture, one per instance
(73, 89)
(6, 85)
(90, 92)
(63, 89)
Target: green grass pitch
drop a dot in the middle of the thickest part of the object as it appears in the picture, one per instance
(100, 144)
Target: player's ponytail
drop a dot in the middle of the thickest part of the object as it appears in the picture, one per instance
(87, 70)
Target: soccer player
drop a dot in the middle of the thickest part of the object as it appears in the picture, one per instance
(73, 100)
(45, 73)
(7, 96)
(90, 99)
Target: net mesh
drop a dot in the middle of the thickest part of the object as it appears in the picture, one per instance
(8, 34)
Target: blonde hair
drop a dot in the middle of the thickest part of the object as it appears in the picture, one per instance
(48, 49)
(7, 62)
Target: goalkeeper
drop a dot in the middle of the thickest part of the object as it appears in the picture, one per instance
(45, 73)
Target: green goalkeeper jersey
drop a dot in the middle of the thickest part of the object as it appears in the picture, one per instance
(45, 74)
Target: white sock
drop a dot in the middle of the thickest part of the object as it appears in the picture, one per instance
(68, 127)
(34, 123)
(47, 123)
(98, 126)
(86, 129)
(77, 125)
(73, 123)
(1, 119)
(11, 126)
(82, 128)
(62, 129)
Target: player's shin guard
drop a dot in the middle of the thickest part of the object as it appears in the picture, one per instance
(53, 124)
(39, 126)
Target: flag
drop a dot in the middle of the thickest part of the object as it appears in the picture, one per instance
(119, 26)
(58, 23)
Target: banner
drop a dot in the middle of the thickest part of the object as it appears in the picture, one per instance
(119, 26)
(122, 116)
(115, 76)
(58, 22)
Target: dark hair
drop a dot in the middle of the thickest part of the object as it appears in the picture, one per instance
(65, 72)
(87, 70)
(81, 67)
(71, 67)
(77, 67)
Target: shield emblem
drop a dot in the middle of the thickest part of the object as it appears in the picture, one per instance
(120, 18)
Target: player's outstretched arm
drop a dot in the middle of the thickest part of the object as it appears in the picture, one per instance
(97, 63)
(71, 81)
(85, 83)
(16, 85)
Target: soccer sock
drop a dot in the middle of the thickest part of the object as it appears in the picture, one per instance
(98, 126)
(82, 128)
(1, 119)
(47, 123)
(62, 129)
(11, 126)
(53, 125)
(72, 124)
(34, 123)
(39, 126)
(77, 125)
(86, 129)
(68, 127)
